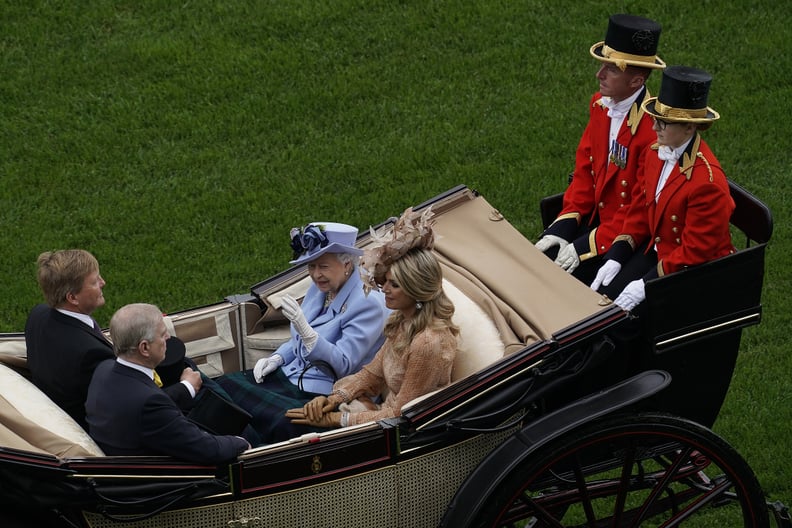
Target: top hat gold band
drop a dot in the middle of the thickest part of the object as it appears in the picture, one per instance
(620, 59)
(679, 113)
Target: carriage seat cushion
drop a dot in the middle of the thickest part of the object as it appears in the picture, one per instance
(29, 420)
(480, 344)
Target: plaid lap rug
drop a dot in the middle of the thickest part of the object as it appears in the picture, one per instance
(268, 402)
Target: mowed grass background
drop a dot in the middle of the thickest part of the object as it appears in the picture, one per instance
(179, 141)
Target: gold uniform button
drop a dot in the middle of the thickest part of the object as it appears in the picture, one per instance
(601, 205)
(624, 183)
(623, 194)
(675, 229)
(674, 218)
(678, 241)
(657, 240)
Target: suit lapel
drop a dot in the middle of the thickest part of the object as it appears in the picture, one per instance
(76, 323)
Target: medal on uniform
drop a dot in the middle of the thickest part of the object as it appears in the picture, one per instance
(618, 154)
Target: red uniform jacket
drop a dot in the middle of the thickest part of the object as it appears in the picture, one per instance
(601, 189)
(689, 223)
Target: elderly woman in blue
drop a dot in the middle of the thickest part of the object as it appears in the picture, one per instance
(336, 331)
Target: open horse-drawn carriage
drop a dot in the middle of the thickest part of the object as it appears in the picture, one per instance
(564, 410)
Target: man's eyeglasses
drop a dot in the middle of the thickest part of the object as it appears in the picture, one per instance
(661, 125)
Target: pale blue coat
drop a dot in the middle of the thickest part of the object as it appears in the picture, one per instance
(350, 334)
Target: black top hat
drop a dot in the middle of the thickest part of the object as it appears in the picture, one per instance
(683, 97)
(171, 368)
(630, 41)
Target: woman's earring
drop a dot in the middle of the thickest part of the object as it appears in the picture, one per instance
(418, 305)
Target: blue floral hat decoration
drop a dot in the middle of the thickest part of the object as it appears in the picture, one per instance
(317, 238)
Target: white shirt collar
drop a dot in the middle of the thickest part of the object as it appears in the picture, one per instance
(621, 108)
(87, 319)
(145, 370)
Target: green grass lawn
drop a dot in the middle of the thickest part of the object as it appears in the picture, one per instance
(179, 141)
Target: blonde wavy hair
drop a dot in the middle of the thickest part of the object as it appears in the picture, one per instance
(419, 274)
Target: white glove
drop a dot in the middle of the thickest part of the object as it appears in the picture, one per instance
(568, 258)
(265, 366)
(606, 274)
(291, 309)
(633, 294)
(548, 241)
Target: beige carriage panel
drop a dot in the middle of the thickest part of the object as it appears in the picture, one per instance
(264, 334)
(23, 410)
(296, 290)
(211, 337)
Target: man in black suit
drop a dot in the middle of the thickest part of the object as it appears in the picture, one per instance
(128, 414)
(64, 343)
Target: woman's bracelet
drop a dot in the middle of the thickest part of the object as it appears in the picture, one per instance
(344, 395)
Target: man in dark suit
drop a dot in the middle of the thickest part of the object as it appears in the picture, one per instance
(128, 414)
(64, 342)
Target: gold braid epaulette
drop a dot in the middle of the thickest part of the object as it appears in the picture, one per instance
(709, 168)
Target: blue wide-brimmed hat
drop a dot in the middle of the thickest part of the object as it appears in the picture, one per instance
(317, 238)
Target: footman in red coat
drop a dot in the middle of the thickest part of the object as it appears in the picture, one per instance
(681, 215)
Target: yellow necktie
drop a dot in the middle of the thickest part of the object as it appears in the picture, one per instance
(157, 379)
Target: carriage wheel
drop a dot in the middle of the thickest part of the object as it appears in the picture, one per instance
(639, 470)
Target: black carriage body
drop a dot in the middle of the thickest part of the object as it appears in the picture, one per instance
(407, 471)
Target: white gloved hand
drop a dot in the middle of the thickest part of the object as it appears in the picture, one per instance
(633, 294)
(548, 241)
(265, 366)
(291, 309)
(606, 274)
(568, 258)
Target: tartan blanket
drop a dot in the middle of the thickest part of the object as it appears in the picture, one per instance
(267, 402)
